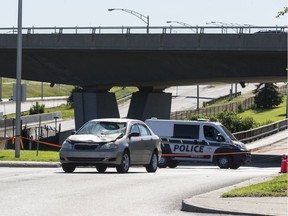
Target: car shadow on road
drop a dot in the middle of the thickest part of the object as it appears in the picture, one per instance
(258, 160)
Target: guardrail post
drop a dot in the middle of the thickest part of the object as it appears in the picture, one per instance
(201, 30)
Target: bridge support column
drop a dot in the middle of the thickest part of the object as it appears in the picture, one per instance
(91, 105)
(146, 105)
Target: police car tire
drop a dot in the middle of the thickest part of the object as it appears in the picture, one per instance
(101, 168)
(152, 166)
(173, 164)
(68, 168)
(224, 161)
(163, 162)
(234, 166)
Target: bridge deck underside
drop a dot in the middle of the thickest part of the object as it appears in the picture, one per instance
(92, 68)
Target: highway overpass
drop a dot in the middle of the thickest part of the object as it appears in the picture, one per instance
(152, 62)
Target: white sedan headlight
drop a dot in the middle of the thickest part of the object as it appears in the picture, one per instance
(110, 145)
(67, 145)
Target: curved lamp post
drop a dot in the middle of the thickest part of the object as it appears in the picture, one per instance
(191, 27)
(183, 24)
(145, 19)
(216, 23)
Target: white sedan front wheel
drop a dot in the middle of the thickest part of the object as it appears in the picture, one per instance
(152, 166)
(125, 163)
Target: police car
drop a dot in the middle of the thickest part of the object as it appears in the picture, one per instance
(200, 141)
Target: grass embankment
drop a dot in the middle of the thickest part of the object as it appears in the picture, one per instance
(276, 187)
(267, 116)
(29, 155)
(34, 89)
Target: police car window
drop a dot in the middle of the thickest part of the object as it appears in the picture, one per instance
(231, 136)
(186, 131)
(143, 130)
(210, 132)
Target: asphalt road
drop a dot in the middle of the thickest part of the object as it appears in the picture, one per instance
(50, 191)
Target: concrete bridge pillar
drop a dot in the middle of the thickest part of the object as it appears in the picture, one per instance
(92, 105)
(145, 105)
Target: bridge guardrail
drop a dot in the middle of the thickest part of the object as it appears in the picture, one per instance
(246, 29)
(261, 132)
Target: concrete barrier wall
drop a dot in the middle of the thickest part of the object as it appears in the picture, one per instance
(32, 119)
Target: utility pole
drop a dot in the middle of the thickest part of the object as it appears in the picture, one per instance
(0, 89)
(18, 81)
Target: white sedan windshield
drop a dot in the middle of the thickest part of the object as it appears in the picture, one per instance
(103, 128)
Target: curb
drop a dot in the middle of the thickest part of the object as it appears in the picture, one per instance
(26, 164)
(195, 208)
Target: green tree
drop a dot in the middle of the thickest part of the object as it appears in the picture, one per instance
(283, 12)
(37, 108)
(267, 96)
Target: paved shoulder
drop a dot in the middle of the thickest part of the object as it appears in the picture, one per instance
(267, 141)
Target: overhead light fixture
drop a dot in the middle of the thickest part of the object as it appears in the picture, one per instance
(243, 85)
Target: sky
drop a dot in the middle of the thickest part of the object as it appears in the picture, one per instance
(89, 13)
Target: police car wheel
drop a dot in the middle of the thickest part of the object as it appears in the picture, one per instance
(234, 166)
(68, 168)
(173, 164)
(101, 168)
(152, 166)
(224, 162)
(163, 162)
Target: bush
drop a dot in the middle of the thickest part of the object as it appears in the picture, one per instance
(234, 122)
(231, 120)
(37, 108)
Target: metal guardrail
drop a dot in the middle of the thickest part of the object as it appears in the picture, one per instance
(261, 132)
(152, 30)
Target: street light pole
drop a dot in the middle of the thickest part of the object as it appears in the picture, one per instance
(183, 24)
(191, 27)
(145, 19)
(18, 81)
